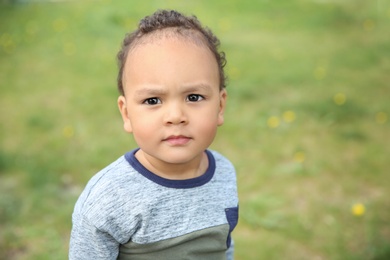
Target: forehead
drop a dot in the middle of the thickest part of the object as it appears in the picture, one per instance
(170, 59)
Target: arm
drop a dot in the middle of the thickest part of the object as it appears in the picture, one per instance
(88, 242)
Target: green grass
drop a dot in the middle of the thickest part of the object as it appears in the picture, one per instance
(327, 62)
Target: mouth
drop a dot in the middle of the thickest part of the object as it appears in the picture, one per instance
(177, 140)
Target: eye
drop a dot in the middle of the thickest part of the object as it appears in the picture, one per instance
(152, 101)
(194, 97)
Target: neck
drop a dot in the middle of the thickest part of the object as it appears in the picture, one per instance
(172, 171)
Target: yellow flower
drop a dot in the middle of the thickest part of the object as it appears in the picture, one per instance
(299, 157)
(358, 209)
(368, 25)
(68, 131)
(381, 117)
(289, 116)
(59, 25)
(273, 122)
(340, 99)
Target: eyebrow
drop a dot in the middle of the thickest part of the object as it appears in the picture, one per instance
(150, 91)
(157, 91)
(196, 88)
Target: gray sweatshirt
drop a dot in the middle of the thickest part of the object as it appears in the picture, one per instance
(128, 212)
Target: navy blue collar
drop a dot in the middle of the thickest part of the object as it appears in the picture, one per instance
(178, 184)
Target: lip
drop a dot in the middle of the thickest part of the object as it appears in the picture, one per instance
(177, 140)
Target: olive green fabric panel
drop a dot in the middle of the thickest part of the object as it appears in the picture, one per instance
(204, 244)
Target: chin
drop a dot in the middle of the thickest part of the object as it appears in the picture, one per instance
(179, 157)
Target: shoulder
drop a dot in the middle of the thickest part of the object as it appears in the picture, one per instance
(224, 169)
(110, 178)
(106, 189)
(111, 200)
(221, 161)
(225, 179)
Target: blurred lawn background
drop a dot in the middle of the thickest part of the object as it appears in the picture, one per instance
(306, 125)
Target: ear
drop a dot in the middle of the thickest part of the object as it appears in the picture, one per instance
(124, 113)
(222, 105)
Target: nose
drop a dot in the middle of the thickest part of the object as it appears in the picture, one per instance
(175, 114)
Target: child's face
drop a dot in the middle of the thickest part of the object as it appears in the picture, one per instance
(173, 103)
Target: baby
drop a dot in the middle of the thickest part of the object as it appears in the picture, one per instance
(171, 198)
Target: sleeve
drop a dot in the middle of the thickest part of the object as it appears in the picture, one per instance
(88, 242)
(230, 251)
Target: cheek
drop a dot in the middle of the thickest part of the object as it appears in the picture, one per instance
(142, 123)
(207, 123)
(207, 131)
(143, 134)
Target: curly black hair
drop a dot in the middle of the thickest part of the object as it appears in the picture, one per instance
(188, 26)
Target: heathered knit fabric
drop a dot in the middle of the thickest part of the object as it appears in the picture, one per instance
(126, 212)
